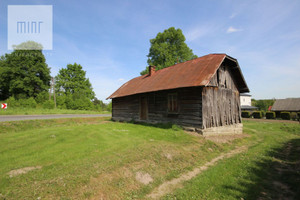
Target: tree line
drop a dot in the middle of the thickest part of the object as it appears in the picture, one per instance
(25, 82)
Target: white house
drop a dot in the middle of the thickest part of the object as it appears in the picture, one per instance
(245, 100)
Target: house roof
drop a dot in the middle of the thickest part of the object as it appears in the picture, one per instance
(290, 104)
(196, 72)
(246, 107)
(246, 95)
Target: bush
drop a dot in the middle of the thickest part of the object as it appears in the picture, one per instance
(298, 115)
(48, 104)
(246, 114)
(42, 97)
(257, 114)
(285, 115)
(24, 103)
(12, 102)
(294, 116)
(98, 107)
(270, 115)
(28, 103)
(61, 101)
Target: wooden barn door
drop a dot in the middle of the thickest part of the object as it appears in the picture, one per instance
(143, 108)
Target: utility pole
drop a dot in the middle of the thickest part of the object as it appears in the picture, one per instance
(53, 89)
(50, 91)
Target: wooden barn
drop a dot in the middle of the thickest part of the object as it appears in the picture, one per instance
(202, 94)
(286, 105)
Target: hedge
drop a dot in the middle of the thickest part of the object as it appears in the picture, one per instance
(257, 114)
(246, 114)
(285, 115)
(270, 115)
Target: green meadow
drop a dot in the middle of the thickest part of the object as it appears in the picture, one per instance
(96, 158)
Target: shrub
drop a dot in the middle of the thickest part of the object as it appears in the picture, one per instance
(98, 107)
(28, 103)
(298, 115)
(48, 104)
(24, 103)
(257, 114)
(245, 114)
(61, 101)
(62, 106)
(285, 115)
(270, 115)
(293, 115)
(42, 97)
(12, 102)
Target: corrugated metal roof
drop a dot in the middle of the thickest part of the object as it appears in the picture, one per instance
(196, 72)
(290, 104)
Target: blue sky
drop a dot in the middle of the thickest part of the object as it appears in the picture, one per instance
(110, 39)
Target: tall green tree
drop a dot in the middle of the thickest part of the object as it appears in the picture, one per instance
(167, 49)
(4, 79)
(23, 74)
(72, 81)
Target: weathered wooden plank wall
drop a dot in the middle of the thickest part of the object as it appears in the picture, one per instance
(221, 101)
(126, 108)
(189, 102)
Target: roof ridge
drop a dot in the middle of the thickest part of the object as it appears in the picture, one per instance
(191, 60)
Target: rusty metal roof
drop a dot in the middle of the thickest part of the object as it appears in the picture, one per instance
(196, 72)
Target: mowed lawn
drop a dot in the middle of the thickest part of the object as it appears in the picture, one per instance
(95, 158)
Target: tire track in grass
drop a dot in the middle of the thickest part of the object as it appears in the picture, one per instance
(168, 186)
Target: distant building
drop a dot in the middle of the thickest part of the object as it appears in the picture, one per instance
(286, 105)
(246, 105)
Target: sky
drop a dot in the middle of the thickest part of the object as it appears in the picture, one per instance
(110, 39)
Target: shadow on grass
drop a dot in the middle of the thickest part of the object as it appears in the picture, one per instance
(156, 125)
(277, 176)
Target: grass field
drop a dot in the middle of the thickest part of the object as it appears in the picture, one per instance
(41, 111)
(95, 158)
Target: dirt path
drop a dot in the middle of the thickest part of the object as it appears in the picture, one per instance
(169, 186)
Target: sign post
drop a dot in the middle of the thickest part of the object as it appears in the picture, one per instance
(4, 105)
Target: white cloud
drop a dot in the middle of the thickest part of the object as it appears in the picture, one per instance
(232, 30)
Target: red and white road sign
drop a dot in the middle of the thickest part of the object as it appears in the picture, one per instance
(3, 105)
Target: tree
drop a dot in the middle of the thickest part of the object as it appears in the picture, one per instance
(72, 81)
(263, 104)
(167, 49)
(23, 74)
(4, 79)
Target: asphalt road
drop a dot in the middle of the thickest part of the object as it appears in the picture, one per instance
(4, 118)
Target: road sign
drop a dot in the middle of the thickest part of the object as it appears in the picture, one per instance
(3, 105)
